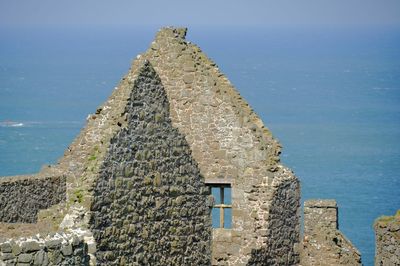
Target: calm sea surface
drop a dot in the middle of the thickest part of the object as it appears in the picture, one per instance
(331, 97)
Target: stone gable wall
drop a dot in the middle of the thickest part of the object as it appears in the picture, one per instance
(150, 201)
(228, 141)
(138, 168)
(22, 197)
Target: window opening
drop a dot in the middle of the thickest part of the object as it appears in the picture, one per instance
(221, 213)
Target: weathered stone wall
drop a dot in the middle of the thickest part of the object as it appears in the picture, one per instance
(150, 201)
(58, 249)
(228, 141)
(22, 197)
(323, 243)
(136, 171)
(320, 214)
(282, 234)
(387, 237)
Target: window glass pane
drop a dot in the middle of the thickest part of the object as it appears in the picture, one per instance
(215, 214)
(227, 195)
(216, 192)
(228, 218)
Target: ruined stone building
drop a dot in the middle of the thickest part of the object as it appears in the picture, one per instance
(175, 168)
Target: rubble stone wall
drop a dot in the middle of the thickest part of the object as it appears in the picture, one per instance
(323, 243)
(22, 197)
(58, 249)
(150, 200)
(387, 237)
(139, 167)
(227, 138)
(282, 234)
(320, 214)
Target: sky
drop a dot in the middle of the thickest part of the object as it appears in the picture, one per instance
(205, 13)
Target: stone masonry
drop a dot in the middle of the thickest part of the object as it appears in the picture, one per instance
(150, 201)
(231, 144)
(135, 183)
(56, 249)
(387, 235)
(22, 197)
(323, 243)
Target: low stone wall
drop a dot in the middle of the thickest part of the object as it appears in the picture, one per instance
(323, 243)
(58, 249)
(21, 197)
(387, 235)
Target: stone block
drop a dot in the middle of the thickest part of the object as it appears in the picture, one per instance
(188, 78)
(5, 247)
(16, 249)
(25, 257)
(53, 243)
(30, 246)
(41, 258)
(66, 250)
(6, 256)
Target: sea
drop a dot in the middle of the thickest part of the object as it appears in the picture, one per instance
(331, 97)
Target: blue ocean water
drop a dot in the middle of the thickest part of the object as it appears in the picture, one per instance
(330, 96)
